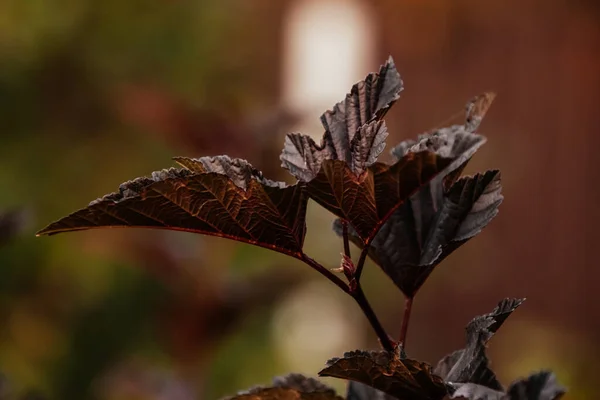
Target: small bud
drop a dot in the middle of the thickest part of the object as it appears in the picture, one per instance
(348, 266)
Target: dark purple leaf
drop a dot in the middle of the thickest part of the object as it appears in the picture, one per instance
(472, 391)
(439, 217)
(367, 145)
(367, 200)
(471, 365)
(458, 139)
(354, 132)
(538, 386)
(290, 387)
(458, 142)
(384, 371)
(215, 196)
(412, 242)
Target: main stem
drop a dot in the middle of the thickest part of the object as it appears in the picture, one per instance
(405, 320)
(362, 301)
(359, 296)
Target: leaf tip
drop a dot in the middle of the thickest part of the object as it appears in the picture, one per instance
(43, 232)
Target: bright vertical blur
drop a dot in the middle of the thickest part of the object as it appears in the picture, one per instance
(327, 48)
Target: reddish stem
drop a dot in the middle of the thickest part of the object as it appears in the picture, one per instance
(405, 320)
(346, 239)
(384, 338)
(361, 262)
(359, 296)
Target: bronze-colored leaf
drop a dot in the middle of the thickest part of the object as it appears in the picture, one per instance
(290, 387)
(423, 231)
(215, 196)
(367, 200)
(471, 365)
(539, 386)
(354, 132)
(384, 371)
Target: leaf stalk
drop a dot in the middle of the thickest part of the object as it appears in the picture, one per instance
(405, 320)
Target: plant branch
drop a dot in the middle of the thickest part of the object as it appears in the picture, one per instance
(405, 320)
(325, 272)
(346, 240)
(359, 296)
(384, 338)
(361, 262)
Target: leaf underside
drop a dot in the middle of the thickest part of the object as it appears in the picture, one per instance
(215, 196)
(403, 379)
(441, 215)
(472, 391)
(538, 386)
(290, 387)
(471, 365)
(354, 132)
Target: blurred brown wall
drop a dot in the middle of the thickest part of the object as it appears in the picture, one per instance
(543, 59)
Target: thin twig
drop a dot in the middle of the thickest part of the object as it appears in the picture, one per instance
(405, 320)
(384, 338)
(346, 239)
(361, 262)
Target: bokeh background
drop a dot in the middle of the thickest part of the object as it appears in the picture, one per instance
(94, 93)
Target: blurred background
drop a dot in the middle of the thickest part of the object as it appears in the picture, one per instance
(94, 93)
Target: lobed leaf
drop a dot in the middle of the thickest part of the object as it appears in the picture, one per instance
(215, 196)
(354, 132)
(290, 387)
(441, 215)
(386, 372)
(539, 386)
(471, 365)
(366, 201)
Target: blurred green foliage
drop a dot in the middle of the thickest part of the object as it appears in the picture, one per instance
(69, 314)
